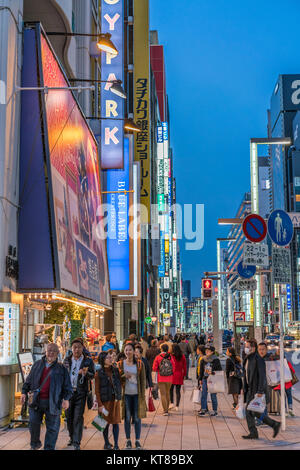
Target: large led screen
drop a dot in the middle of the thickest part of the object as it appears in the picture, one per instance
(76, 189)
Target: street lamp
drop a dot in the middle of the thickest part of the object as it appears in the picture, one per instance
(104, 42)
(129, 124)
(116, 85)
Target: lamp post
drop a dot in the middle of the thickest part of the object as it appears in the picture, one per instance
(104, 42)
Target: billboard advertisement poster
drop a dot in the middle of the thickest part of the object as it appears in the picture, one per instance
(119, 244)
(161, 268)
(75, 189)
(112, 68)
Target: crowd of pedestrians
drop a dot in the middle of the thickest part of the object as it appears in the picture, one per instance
(122, 376)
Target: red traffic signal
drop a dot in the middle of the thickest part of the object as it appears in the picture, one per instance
(207, 286)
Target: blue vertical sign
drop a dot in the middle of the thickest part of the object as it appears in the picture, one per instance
(112, 68)
(118, 242)
(288, 297)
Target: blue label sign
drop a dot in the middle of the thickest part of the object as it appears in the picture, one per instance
(280, 227)
(112, 105)
(245, 270)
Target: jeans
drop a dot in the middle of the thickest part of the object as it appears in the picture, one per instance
(74, 416)
(131, 411)
(214, 399)
(289, 396)
(177, 387)
(52, 426)
(164, 388)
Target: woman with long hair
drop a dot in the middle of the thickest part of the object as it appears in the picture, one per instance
(179, 372)
(233, 375)
(134, 408)
(109, 392)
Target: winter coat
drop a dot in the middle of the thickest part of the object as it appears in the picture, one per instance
(148, 373)
(179, 370)
(60, 384)
(155, 368)
(215, 364)
(106, 388)
(235, 384)
(86, 362)
(185, 348)
(255, 380)
(151, 354)
(141, 383)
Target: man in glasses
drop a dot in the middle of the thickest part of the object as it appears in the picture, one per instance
(50, 385)
(81, 370)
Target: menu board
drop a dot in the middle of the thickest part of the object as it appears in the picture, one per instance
(9, 333)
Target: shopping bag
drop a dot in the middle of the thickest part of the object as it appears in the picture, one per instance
(99, 423)
(151, 406)
(216, 382)
(197, 396)
(258, 404)
(273, 372)
(240, 410)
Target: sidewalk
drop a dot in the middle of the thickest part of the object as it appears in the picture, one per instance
(182, 430)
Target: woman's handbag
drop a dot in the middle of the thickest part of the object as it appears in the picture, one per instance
(151, 406)
(154, 392)
(34, 395)
(294, 378)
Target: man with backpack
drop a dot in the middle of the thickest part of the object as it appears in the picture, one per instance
(163, 366)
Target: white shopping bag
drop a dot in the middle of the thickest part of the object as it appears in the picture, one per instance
(273, 372)
(240, 410)
(197, 396)
(99, 423)
(216, 382)
(258, 404)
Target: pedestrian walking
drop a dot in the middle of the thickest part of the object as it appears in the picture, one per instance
(108, 391)
(288, 387)
(152, 352)
(210, 363)
(255, 383)
(179, 372)
(115, 342)
(81, 371)
(262, 350)
(164, 368)
(200, 354)
(138, 351)
(166, 340)
(234, 375)
(133, 379)
(50, 383)
(186, 351)
(144, 345)
(109, 344)
(193, 345)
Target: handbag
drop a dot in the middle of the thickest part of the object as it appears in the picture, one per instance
(216, 382)
(294, 378)
(197, 396)
(90, 400)
(154, 392)
(99, 423)
(151, 406)
(258, 404)
(33, 396)
(273, 372)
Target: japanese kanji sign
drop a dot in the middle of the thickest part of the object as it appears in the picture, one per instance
(255, 254)
(281, 265)
(246, 284)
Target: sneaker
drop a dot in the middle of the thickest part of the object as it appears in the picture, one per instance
(202, 412)
(276, 429)
(108, 446)
(214, 413)
(138, 445)
(36, 447)
(166, 414)
(76, 447)
(291, 413)
(116, 448)
(176, 408)
(70, 443)
(250, 436)
(171, 406)
(128, 444)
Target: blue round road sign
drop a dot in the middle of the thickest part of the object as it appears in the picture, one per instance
(246, 270)
(254, 228)
(280, 227)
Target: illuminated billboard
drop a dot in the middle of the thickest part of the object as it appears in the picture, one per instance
(112, 68)
(66, 167)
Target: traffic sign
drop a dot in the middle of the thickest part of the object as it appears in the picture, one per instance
(207, 286)
(245, 270)
(254, 228)
(256, 254)
(246, 284)
(148, 320)
(280, 227)
(239, 316)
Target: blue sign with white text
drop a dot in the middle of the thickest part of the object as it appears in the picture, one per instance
(118, 242)
(112, 105)
(245, 270)
(280, 227)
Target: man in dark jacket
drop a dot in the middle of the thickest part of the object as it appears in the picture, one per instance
(53, 382)
(81, 370)
(255, 383)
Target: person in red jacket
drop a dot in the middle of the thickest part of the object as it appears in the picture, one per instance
(179, 372)
(163, 366)
(288, 390)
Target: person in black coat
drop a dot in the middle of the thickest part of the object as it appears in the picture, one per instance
(235, 384)
(81, 370)
(138, 350)
(255, 383)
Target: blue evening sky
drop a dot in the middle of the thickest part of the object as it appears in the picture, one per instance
(222, 58)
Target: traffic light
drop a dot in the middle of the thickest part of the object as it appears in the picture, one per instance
(207, 286)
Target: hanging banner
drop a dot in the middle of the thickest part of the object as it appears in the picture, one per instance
(141, 100)
(112, 68)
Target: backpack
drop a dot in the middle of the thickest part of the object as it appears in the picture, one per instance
(165, 366)
(238, 370)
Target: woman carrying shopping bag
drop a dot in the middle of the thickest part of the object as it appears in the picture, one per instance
(134, 408)
(108, 392)
(179, 372)
(210, 364)
(234, 374)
